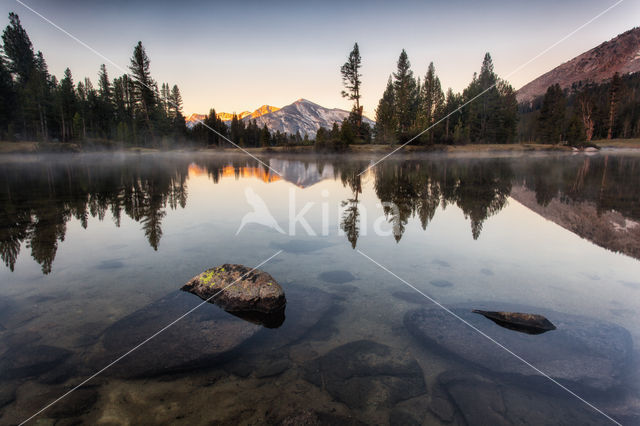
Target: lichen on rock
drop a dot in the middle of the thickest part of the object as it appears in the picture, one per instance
(238, 288)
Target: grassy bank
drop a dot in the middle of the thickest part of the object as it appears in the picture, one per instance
(618, 143)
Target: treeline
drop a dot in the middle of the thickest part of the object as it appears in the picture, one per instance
(584, 112)
(485, 112)
(36, 106)
(214, 132)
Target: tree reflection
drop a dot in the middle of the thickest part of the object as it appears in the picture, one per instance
(417, 188)
(37, 199)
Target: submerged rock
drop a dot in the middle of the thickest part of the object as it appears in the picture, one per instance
(238, 288)
(199, 339)
(584, 351)
(307, 308)
(366, 373)
(31, 361)
(525, 323)
(479, 399)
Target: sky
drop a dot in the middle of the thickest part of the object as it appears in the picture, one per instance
(236, 56)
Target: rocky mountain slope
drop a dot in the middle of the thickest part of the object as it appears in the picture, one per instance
(620, 54)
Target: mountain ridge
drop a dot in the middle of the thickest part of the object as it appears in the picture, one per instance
(620, 54)
(302, 116)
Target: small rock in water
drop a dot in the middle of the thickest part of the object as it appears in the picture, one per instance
(337, 277)
(525, 323)
(238, 288)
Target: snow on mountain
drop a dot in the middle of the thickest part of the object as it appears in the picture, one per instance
(193, 119)
(301, 116)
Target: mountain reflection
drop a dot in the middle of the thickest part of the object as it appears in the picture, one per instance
(38, 198)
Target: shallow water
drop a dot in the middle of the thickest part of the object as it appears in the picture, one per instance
(95, 246)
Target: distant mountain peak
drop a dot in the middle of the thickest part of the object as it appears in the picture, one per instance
(620, 54)
(301, 116)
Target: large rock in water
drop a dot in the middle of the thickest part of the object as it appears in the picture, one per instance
(198, 339)
(238, 288)
(582, 350)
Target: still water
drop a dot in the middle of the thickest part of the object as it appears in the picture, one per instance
(96, 247)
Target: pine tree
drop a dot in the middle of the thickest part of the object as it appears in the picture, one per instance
(452, 103)
(265, 136)
(404, 95)
(66, 105)
(7, 100)
(351, 79)
(613, 102)
(385, 116)
(19, 50)
(105, 103)
(431, 103)
(144, 87)
(552, 115)
(175, 103)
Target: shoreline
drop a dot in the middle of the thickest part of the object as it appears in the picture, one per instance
(39, 147)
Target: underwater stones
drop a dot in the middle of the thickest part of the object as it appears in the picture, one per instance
(441, 283)
(31, 360)
(313, 418)
(337, 277)
(475, 398)
(199, 339)
(75, 404)
(582, 350)
(306, 308)
(272, 369)
(238, 288)
(411, 412)
(364, 373)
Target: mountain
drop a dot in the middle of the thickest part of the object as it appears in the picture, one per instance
(193, 118)
(225, 116)
(301, 116)
(305, 117)
(620, 54)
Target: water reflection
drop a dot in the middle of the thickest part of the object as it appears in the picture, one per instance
(38, 197)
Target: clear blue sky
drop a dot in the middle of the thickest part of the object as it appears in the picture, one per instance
(236, 56)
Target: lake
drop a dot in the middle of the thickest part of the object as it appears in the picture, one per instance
(381, 271)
